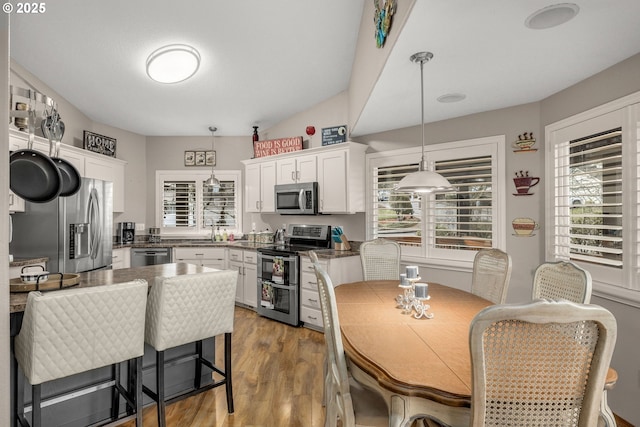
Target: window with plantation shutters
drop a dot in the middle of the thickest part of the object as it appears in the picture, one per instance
(589, 199)
(592, 195)
(440, 226)
(395, 215)
(464, 218)
(179, 204)
(189, 206)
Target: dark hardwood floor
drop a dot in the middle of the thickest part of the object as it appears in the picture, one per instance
(277, 381)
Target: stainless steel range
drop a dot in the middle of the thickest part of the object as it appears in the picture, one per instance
(279, 271)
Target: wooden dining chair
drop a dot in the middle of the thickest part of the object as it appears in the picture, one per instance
(567, 281)
(380, 259)
(540, 363)
(345, 398)
(491, 275)
(562, 280)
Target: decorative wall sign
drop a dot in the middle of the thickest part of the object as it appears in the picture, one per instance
(199, 158)
(524, 182)
(525, 143)
(382, 18)
(99, 143)
(334, 135)
(271, 147)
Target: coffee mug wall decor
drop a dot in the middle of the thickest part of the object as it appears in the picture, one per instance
(524, 227)
(524, 182)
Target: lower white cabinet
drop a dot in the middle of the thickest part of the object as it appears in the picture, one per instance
(121, 258)
(341, 270)
(245, 262)
(205, 257)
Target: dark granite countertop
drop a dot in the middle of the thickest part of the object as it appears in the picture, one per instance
(21, 262)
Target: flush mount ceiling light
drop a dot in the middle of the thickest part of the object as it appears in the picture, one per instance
(173, 64)
(423, 181)
(451, 97)
(551, 16)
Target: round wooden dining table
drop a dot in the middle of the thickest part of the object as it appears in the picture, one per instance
(422, 366)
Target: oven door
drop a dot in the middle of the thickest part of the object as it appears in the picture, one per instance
(278, 287)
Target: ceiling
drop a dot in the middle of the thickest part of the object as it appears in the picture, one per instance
(265, 61)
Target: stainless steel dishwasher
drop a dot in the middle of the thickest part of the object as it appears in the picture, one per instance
(150, 256)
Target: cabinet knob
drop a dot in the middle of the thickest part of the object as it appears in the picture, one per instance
(293, 175)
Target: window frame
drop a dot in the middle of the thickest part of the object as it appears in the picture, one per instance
(200, 230)
(622, 285)
(426, 254)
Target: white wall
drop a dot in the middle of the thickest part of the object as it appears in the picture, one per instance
(5, 364)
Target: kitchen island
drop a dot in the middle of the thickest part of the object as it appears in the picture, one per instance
(92, 407)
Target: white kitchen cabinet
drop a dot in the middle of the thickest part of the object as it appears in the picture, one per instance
(340, 270)
(244, 262)
(297, 169)
(341, 179)
(260, 179)
(16, 204)
(205, 257)
(108, 169)
(121, 258)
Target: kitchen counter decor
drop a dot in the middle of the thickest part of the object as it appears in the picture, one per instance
(52, 282)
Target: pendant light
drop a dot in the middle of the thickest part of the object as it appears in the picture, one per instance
(213, 181)
(423, 181)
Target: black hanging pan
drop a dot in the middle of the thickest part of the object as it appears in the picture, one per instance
(53, 129)
(33, 175)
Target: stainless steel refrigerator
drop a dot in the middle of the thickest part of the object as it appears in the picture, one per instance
(75, 232)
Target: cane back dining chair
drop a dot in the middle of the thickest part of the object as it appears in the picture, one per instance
(188, 309)
(380, 259)
(565, 280)
(562, 280)
(541, 363)
(345, 398)
(491, 275)
(78, 330)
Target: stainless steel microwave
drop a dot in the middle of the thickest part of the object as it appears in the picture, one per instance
(297, 199)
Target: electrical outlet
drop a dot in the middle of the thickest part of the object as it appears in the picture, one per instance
(139, 226)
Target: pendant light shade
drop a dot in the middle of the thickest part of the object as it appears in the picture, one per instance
(423, 181)
(213, 182)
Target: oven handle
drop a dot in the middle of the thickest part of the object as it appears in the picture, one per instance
(290, 258)
(285, 287)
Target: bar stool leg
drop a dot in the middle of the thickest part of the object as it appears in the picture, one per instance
(160, 388)
(36, 409)
(138, 391)
(115, 393)
(197, 380)
(227, 371)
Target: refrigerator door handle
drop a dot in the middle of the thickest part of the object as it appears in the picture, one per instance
(95, 224)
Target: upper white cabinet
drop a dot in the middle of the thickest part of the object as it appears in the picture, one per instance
(260, 179)
(339, 170)
(341, 179)
(297, 169)
(89, 165)
(107, 169)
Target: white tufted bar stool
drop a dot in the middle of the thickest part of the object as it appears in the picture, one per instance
(77, 330)
(186, 309)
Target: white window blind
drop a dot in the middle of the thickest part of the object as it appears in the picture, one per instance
(589, 176)
(219, 205)
(464, 218)
(396, 216)
(187, 205)
(179, 204)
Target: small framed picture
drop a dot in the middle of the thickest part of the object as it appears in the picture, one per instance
(189, 158)
(200, 158)
(211, 158)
